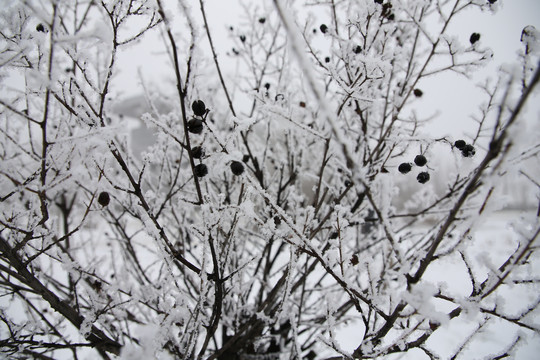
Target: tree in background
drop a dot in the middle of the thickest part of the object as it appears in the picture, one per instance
(257, 231)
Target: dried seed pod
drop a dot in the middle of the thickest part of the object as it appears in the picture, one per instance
(197, 152)
(201, 170)
(474, 38)
(104, 198)
(404, 168)
(423, 177)
(198, 107)
(420, 160)
(237, 168)
(468, 151)
(460, 144)
(195, 126)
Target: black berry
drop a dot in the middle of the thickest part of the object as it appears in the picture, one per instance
(200, 170)
(267, 86)
(262, 20)
(323, 28)
(327, 59)
(245, 158)
(386, 10)
(195, 126)
(404, 168)
(237, 168)
(104, 199)
(242, 38)
(378, 1)
(357, 49)
(420, 160)
(418, 92)
(423, 177)
(354, 259)
(334, 235)
(197, 152)
(198, 108)
(277, 220)
(348, 183)
(468, 151)
(460, 144)
(474, 37)
(492, 1)
(40, 28)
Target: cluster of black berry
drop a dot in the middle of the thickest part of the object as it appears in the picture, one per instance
(467, 150)
(419, 160)
(195, 126)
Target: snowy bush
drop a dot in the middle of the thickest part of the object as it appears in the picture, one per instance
(274, 209)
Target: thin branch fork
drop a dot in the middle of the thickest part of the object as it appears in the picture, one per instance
(97, 337)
